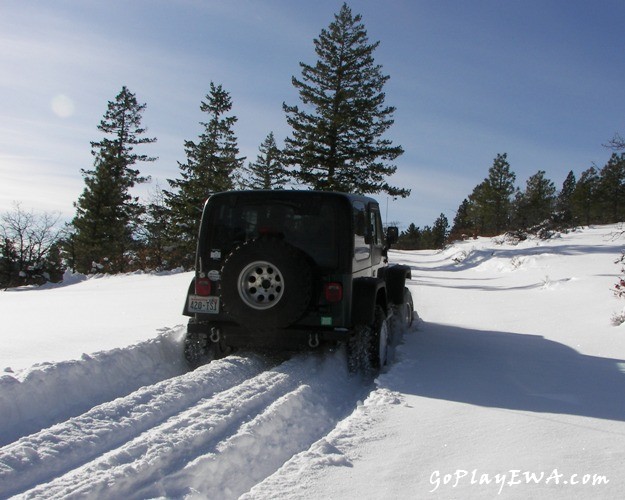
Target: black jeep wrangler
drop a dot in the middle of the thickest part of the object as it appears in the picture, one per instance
(295, 269)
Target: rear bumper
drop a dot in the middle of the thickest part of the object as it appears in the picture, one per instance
(235, 335)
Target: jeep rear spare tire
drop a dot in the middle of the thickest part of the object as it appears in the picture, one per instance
(266, 283)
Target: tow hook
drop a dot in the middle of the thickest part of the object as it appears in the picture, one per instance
(215, 334)
(313, 340)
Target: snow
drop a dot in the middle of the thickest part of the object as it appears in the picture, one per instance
(512, 385)
(106, 312)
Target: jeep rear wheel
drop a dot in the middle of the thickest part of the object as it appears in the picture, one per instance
(266, 283)
(408, 308)
(198, 350)
(367, 348)
(403, 313)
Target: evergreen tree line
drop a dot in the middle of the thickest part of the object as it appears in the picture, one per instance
(496, 206)
(337, 143)
(428, 237)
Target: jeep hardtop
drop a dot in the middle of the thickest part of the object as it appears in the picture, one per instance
(288, 269)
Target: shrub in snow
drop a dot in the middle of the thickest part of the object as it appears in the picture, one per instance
(619, 291)
(511, 238)
(618, 318)
(458, 258)
(619, 288)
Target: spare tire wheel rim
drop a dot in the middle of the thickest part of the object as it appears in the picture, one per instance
(261, 285)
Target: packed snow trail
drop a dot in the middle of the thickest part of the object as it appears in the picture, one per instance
(34, 459)
(218, 430)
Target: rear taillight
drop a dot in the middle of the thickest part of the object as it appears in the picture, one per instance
(333, 292)
(203, 286)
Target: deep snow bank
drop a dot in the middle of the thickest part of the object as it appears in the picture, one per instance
(54, 451)
(52, 392)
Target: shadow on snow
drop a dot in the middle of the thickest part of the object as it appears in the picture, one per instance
(512, 371)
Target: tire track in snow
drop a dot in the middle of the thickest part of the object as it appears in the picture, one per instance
(49, 393)
(62, 447)
(224, 444)
(257, 450)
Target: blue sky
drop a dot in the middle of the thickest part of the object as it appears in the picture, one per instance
(539, 80)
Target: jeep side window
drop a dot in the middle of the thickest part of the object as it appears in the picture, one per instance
(361, 248)
(377, 231)
(377, 234)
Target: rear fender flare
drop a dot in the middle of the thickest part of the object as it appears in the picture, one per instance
(367, 292)
(190, 291)
(395, 277)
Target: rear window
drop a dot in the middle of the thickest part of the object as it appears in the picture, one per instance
(310, 225)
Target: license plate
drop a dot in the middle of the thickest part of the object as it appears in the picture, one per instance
(206, 305)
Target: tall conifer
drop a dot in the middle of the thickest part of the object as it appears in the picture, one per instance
(499, 189)
(337, 140)
(564, 201)
(463, 225)
(212, 165)
(584, 198)
(106, 212)
(268, 171)
(490, 204)
(536, 203)
(440, 231)
(611, 189)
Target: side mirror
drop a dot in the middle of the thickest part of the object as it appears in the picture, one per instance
(392, 235)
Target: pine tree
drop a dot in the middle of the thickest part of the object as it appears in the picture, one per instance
(463, 224)
(584, 199)
(499, 188)
(427, 239)
(106, 212)
(211, 166)
(536, 203)
(564, 201)
(53, 264)
(477, 208)
(268, 171)
(611, 189)
(490, 203)
(440, 231)
(154, 232)
(338, 144)
(409, 239)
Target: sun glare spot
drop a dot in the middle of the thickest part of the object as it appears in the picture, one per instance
(62, 106)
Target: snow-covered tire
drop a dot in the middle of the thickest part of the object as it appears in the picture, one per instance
(368, 346)
(401, 318)
(198, 350)
(406, 310)
(266, 283)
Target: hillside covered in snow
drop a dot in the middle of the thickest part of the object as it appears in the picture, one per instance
(511, 384)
